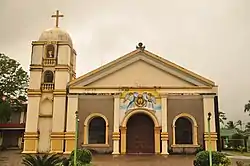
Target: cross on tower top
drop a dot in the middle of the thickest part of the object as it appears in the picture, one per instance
(57, 16)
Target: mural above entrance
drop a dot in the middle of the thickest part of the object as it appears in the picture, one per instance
(139, 99)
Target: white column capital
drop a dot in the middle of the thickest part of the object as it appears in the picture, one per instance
(163, 95)
(117, 95)
(73, 95)
(208, 96)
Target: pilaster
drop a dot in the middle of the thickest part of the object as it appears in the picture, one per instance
(31, 134)
(208, 106)
(70, 128)
(164, 134)
(57, 144)
(157, 140)
(57, 135)
(116, 133)
(123, 139)
(30, 142)
(70, 142)
(213, 141)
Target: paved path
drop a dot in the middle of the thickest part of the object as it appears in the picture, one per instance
(13, 158)
(239, 157)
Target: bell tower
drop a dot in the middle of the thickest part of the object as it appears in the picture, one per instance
(53, 64)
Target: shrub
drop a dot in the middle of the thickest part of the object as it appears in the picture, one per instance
(199, 149)
(218, 159)
(65, 162)
(84, 156)
(41, 160)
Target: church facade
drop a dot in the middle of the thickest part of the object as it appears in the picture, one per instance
(138, 103)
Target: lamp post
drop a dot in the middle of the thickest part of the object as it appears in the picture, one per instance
(209, 139)
(76, 138)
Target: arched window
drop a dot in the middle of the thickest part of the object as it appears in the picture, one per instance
(183, 131)
(97, 131)
(48, 76)
(50, 50)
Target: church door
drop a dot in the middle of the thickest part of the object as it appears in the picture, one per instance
(140, 134)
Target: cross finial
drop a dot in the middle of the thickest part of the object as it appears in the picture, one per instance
(57, 16)
(140, 47)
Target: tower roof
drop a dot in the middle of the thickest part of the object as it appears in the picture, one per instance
(55, 34)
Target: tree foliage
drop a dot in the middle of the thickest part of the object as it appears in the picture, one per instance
(231, 125)
(247, 107)
(247, 127)
(13, 82)
(222, 117)
(42, 160)
(5, 112)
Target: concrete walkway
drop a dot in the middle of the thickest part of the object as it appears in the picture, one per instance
(239, 157)
(14, 158)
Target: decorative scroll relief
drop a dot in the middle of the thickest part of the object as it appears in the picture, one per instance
(148, 100)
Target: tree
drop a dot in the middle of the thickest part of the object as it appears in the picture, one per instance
(239, 123)
(247, 127)
(13, 84)
(231, 125)
(247, 107)
(5, 111)
(222, 117)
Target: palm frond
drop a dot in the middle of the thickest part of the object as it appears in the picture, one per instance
(41, 160)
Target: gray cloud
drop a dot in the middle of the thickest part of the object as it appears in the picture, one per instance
(209, 37)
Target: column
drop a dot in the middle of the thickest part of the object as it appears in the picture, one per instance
(116, 133)
(31, 134)
(123, 139)
(208, 106)
(157, 140)
(58, 123)
(70, 126)
(164, 133)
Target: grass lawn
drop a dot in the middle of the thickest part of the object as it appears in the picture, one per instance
(237, 153)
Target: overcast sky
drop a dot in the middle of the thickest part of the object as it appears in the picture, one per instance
(209, 37)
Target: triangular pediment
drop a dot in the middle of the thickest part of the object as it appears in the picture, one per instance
(140, 68)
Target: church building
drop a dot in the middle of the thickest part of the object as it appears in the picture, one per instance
(138, 103)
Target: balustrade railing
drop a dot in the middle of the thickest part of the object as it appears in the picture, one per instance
(49, 62)
(47, 86)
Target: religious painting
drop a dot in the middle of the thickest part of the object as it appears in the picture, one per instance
(140, 99)
(50, 50)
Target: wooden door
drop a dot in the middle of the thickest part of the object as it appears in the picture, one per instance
(140, 134)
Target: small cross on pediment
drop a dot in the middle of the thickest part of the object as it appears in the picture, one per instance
(140, 47)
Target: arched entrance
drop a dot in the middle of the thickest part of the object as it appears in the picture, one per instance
(140, 134)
